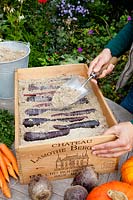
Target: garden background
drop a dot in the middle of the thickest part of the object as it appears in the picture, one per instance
(62, 32)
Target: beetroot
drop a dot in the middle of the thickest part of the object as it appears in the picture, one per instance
(76, 192)
(87, 178)
(39, 188)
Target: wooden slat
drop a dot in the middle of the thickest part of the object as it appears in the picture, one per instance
(105, 108)
(51, 71)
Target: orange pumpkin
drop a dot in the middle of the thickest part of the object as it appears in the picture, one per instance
(127, 171)
(100, 192)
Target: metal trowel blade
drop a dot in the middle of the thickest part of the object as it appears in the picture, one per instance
(75, 83)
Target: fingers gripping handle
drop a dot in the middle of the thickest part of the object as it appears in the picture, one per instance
(113, 61)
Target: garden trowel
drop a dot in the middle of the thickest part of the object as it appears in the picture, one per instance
(77, 88)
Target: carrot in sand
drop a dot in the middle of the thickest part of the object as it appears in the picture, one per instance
(9, 167)
(3, 167)
(4, 187)
(10, 156)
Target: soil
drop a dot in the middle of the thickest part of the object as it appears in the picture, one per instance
(7, 55)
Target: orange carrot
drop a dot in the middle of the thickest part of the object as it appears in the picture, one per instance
(4, 187)
(9, 167)
(3, 167)
(0, 182)
(10, 156)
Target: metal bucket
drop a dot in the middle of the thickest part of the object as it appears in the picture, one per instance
(7, 69)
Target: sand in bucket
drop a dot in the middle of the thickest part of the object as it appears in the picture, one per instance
(13, 55)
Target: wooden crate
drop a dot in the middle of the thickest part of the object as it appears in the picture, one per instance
(61, 159)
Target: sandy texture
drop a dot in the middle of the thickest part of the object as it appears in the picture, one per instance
(7, 54)
(35, 97)
(65, 96)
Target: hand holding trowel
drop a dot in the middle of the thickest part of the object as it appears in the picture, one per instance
(73, 90)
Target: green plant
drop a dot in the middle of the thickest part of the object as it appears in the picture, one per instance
(49, 60)
(60, 33)
(12, 24)
(7, 130)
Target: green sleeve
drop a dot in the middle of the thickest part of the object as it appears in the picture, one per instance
(131, 121)
(123, 40)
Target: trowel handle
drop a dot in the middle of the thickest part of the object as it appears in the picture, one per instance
(113, 61)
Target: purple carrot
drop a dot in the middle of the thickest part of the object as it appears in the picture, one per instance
(39, 98)
(42, 87)
(85, 124)
(33, 136)
(45, 104)
(77, 112)
(38, 111)
(84, 100)
(29, 122)
(49, 98)
(35, 111)
(39, 93)
(33, 86)
(70, 119)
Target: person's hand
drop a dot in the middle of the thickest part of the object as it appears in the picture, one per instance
(123, 143)
(97, 64)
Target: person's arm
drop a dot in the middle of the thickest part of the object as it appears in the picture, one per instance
(116, 47)
(122, 145)
(122, 41)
